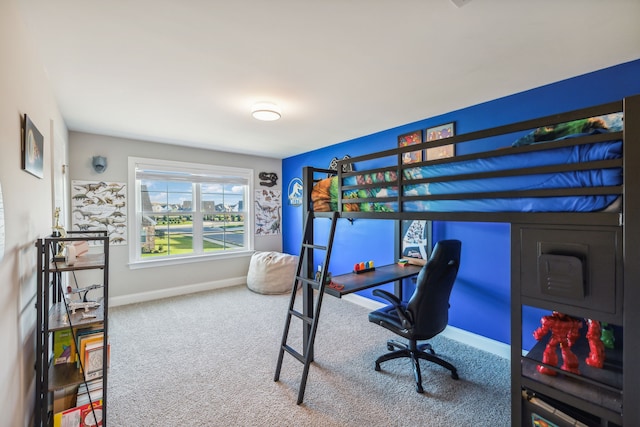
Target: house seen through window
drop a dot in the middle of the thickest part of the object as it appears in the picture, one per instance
(185, 210)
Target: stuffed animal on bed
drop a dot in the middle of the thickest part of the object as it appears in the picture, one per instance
(561, 130)
(325, 197)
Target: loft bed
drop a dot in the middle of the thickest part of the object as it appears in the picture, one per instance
(569, 185)
(579, 171)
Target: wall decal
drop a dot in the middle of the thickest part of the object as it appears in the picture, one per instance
(269, 179)
(294, 192)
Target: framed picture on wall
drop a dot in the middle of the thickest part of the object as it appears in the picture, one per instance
(440, 132)
(410, 139)
(32, 148)
(414, 239)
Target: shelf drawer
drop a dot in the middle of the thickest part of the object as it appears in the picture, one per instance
(578, 267)
(539, 410)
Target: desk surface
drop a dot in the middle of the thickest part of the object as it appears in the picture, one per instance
(356, 282)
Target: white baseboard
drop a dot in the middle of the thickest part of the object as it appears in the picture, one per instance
(176, 291)
(474, 340)
(498, 348)
(365, 302)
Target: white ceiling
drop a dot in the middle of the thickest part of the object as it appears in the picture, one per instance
(187, 71)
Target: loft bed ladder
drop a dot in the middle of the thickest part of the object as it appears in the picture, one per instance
(311, 314)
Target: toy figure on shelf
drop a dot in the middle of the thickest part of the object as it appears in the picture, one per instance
(565, 330)
(596, 346)
(607, 336)
(58, 231)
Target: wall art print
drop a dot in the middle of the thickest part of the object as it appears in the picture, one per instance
(411, 138)
(415, 239)
(440, 132)
(98, 205)
(268, 204)
(32, 148)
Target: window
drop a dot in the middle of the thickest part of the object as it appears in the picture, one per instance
(185, 211)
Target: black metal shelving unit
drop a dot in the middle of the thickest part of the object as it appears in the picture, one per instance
(54, 313)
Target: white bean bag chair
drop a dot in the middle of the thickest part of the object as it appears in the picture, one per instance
(271, 272)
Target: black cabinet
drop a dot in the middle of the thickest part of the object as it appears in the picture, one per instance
(72, 347)
(576, 271)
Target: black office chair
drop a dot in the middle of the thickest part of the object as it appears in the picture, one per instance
(426, 314)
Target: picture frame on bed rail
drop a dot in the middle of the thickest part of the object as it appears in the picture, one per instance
(440, 132)
(410, 138)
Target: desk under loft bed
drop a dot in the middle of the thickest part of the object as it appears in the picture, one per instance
(572, 202)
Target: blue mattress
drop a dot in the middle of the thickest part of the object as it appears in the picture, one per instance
(566, 155)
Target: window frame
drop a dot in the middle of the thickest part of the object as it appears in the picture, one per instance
(135, 212)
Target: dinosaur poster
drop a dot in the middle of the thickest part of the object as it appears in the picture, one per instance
(268, 205)
(100, 206)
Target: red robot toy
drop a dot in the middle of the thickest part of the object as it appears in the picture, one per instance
(565, 330)
(596, 346)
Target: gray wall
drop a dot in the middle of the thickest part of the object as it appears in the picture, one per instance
(132, 285)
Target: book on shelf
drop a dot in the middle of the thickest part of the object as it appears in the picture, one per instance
(64, 349)
(90, 386)
(80, 416)
(87, 338)
(83, 399)
(89, 331)
(91, 414)
(93, 360)
(91, 391)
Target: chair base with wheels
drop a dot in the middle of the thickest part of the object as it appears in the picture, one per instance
(415, 352)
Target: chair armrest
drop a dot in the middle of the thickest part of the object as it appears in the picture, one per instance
(404, 316)
(394, 300)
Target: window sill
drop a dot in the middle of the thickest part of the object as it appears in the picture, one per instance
(149, 263)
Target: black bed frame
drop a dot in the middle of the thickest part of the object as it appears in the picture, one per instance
(607, 243)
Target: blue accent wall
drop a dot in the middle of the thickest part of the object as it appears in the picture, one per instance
(480, 301)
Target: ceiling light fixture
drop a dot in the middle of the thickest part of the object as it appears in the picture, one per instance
(266, 111)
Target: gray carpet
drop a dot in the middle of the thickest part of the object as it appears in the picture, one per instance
(208, 359)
